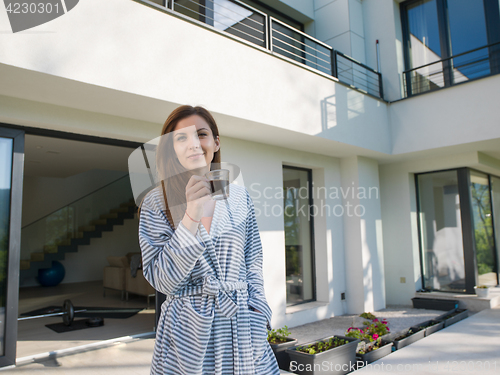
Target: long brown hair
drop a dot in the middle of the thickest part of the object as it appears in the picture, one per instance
(173, 176)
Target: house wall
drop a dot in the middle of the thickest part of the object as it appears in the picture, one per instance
(261, 166)
(399, 216)
(339, 23)
(456, 115)
(250, 83)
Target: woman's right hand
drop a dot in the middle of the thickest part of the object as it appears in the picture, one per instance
(197, 194)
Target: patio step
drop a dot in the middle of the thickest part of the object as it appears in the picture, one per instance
(470, 302)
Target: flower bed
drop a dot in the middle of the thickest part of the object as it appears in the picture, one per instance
(332, 355)
(408, 337)
(430, 326)
(453, 316)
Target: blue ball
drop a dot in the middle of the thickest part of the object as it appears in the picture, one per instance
(52, 276)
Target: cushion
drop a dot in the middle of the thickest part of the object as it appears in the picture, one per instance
(118, 261)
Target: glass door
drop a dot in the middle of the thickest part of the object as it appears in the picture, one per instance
(495, 198)
(11, 170)
(440, 223)
(483, 228)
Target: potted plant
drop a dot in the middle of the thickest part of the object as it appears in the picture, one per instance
(482, 291)
(331, 355)
(371, 330)
(279, 341)
(408, 337)
(453, 316)
(430, 326)
(369, 353)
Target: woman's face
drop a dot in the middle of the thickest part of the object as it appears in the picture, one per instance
(194, 143)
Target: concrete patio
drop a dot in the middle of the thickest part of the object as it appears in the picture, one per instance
(473, 342)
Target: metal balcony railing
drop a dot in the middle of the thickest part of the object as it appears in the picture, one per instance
(477, 63)
(243, 21)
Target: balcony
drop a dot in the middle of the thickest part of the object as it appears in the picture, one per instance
(241, 21)
(464, 67)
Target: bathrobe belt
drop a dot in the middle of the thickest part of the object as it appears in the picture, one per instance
(214, 287)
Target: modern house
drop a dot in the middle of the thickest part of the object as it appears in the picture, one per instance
(367, 133)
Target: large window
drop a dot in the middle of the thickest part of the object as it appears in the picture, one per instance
(441, 231)
(482, 221)
(11, 170)
(458, 213)
(495, 197)
(449, 41)
(6, 151)
(299, 249)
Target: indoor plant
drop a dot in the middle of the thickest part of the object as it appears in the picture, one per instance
(331, 355)
(279, 341)
(482, 291)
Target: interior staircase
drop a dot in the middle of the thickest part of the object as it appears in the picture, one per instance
(106, 222)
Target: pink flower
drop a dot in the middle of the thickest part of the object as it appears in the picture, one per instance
(349, 330)
(360, 330)
(375, 336)
(388, 329)
(375, 320)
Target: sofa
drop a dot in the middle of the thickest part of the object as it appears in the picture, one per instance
(118, 276)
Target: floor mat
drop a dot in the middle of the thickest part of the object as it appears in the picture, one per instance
(75, 326)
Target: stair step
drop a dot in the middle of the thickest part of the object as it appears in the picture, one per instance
(50, 249)
(119, 210)
(87, 228)
(98, 222)
(65, 242)
(109, 216)
(37, 257)
(128, 204)
(81, 241)
(25, 264)
(75, 235)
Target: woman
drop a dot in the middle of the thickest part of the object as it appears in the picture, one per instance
(206, 257)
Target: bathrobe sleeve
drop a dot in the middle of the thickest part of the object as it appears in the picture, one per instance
(253, 259)
(168, 255)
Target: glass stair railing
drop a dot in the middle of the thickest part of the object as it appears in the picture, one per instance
(64, 230)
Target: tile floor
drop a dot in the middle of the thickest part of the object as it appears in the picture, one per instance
(35, 338)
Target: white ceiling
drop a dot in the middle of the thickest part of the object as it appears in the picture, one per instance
(54, 157)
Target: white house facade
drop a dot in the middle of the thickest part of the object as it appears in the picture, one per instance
(367, 133)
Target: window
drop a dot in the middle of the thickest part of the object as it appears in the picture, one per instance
(441, 231)
(299, 247)
(226, 15)
(449, 41)
(483, 229)
(458, 214)
(495, 198)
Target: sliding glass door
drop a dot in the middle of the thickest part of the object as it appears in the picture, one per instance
(495, 200)
(483, 229)
(459, 229)
(11, 168)
(441, 231)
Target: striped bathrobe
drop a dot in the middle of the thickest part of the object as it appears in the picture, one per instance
(212, 281)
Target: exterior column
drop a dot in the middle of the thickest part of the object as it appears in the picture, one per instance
(364, 260)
